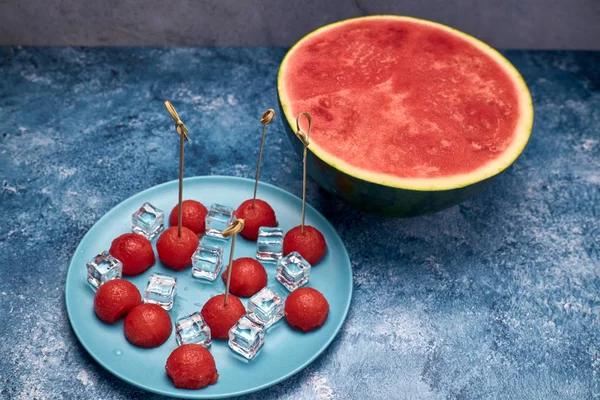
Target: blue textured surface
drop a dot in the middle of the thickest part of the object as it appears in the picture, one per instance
(495, 298)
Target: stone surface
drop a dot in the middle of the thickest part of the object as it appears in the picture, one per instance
(530, 24)
(498, 297)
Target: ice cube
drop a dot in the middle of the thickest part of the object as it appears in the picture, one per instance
(210, 241)
(293, 271)
(246, 337)
(161, 290)
(148, 221)
(103, 268)
(207, 261)
(218, 219)
(269, 246)
(192, 329)
(265, 308)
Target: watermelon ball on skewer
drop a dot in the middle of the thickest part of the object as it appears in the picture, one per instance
(135, 253)
(191, 366)
(248, 277)
(255, 215)
(176, 251)
(148, 326)
(220, 317)
(306, 309)
(255, 212)
(310, 244)
(114, 299)
(193, 216)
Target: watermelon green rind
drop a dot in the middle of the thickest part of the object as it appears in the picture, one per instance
(409, 196)
(381, 199)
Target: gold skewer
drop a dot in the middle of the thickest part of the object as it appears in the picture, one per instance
(265, 120)
(232, 230)
(304, 138)
(183, 134)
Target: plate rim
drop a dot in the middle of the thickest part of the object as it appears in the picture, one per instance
(195, 394)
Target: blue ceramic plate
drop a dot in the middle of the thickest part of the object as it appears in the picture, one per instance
(285, 351)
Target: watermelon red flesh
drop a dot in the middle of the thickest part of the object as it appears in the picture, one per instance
(402, 98)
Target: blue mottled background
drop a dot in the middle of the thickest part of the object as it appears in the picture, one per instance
(495, 298)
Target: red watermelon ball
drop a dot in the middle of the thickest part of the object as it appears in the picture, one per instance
(261, 214)
(306, 309)
(148, 326)
(174, 251)
(220, 317)
(191, 366)
(114, 299)
(193, 216)
(248, 276)
(135, 253)
(311, 244)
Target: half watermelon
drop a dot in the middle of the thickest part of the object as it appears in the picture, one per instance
(409, 116)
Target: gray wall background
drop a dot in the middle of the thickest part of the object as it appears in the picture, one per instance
(542, 24)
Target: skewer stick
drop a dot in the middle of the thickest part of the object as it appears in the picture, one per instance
(265, 120)
(183, 135)
(304, 138)
(233, 229)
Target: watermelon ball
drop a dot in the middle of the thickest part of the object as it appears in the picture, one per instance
(135, 253)
(193, 216)
(114, 299)
(248, 276)
(261, 214)
(220, 317)
(191, 366)
(306, 309)
(174, 251)
(311, 244)
(147, 326)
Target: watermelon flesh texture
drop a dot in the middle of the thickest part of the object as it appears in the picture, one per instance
(402, 107)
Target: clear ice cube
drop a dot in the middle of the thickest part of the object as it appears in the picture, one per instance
(207, 261)
(192, 329)
(148, 221)
(246, 337)
(293, 271)
(103, 268)
(210, 241)
(218, 219)
(161, 290)
(269, 246)
(265, 308)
